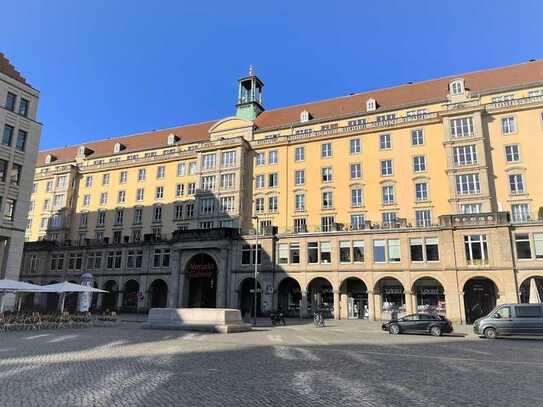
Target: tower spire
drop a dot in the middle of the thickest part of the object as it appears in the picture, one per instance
(251, 73)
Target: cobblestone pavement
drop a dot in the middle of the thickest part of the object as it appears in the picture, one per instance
(348, 363)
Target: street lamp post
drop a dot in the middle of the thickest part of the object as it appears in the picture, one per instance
(256, 270)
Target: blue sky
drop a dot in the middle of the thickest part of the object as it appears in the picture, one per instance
(111, 67)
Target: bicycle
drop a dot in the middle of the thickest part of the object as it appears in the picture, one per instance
(318, 319)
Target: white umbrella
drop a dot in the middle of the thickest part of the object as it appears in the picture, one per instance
(534, 293)
(13, 286)
(66, 287)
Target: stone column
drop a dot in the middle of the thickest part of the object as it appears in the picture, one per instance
(174, 279)
(221, 280)
(303, 307)
(378, 306)
(408, 302)
(371, 306)
(454, 306)
(336, 305)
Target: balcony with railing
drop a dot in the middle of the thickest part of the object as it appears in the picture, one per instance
(515, 102)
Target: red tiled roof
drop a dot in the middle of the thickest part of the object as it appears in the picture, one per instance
(8, 69)
(416, 93)
(137, 142)
(435, 90)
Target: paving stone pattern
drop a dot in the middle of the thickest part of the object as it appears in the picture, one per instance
(348, 363)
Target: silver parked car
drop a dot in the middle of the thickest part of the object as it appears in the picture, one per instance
(511, 319)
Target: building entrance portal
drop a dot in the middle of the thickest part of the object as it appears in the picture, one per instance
(479, 298)
(201, 272)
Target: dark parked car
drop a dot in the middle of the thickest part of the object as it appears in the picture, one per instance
(419, 323)
(511, 319)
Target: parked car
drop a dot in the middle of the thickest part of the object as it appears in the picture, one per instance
(419, 323)
(511, 319)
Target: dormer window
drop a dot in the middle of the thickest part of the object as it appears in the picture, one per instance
(304, 116)
(81, 151)
(49, 158)
(456, 87)
(371, 105)
(172, 139)
(118, 147)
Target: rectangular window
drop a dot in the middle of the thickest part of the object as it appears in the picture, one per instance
(134, 259)
(327, 200)
(59, 200)
(119, 215)
(9, 209)
(20, 142)
(123, 177)
(326, 150)
(294, 253)
(344, 252)
(207, 206)
(178, 212)
(327, 223)
(379, 255)
(161, 258)
(11, 99)
(248, 254)
(227, 204)
(419, 163)
(299, 177)
(138, 215)
(283, 253)
(208, 183)
(509, 125)
(356, 171)
(516, 183)
(157, 214)
(462, 127)
(15, 176)
(421, 191)
(388, 194)
(208, 161)
(3, 170)
(300, 225)
(431, 245)
(229, 158)
(8, 135)
(476, 249)
(423, 217)
(101, 218)
(228, 181)
(191, 188)
(299, 200)
(394, 254)
(356, 197)
(354, 146)
(260, 159)
(179, 190)
(386, 117)
(259, 181)
(141, 174)
(193, 168)
(468, 184)
(189, 211)
(470, 208)
(356, 122)
(389, 219)
(325, 252)
(299, 154)
(181, 169)
(416, 250)
(520, 212)
(259, 205)
(121, 197)
(538, 245)
(358, 251)
(385, 142)
(424, 249)
(105, 179)
(512, 153)
(465, 155)
(273, 204)
(272, 157)
(159, 193)
(357, 221)
(386, 168)
(57, 262)
(273, 180)
(86, 200)
(160, 172)
(88, 181)
(326, 173)
(522, 244)
(417, 137)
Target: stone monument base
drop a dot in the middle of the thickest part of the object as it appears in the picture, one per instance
(219, 320)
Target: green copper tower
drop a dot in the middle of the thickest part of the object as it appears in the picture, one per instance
(249, 104)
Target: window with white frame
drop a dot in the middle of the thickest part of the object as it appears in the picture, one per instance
(227, 204)
(476, 249)
(509, 125)
(119, 216)
(259, 181)
(88, 181)
(424, 249)
(193, 168)
(273, 157)
(356, 122)
(300, 225)
(282, 253)
(159, 192)
(121, 197)
(228, 181)
(465, 155)
(178, 212)
(273, 180)
(61, 182)
(356, 197)
(327, 200)
(520, 212)
(191, 188)
(457, 87)
(207, 206)
(523, 246)
(417, 137)
(123, 177)
(103, 198)
(385, 141)
(134, 259)
(299, 177)
(386, 168)
(105, 179)
(101, 218)
(57, 262)
(189, 210)
(294, 253)
(326, 150)
(512, 153)
(273, 204)
(462, 127)
(208, 183)
(59, 200)
(468, 184)
(299, 202)
(249, 253)
(161, 258)
(86, 200)
(389, 219)
(181, 169)
(356, 171)
(259, 205)
(516, 184)
(419, 163)
(157, 214)
(327, 223)
(229, 158)
(386, 117)
(141, 174)
(345, 251)
(423, 217)
(299, 154)
(208, 161)
(179, 189)
(357, 221)
(83, 219)
(421, 191)
(538, 245)
(354, 146)
(470, 208)
(325, 252)
(260, 159)
(388, 194)
(326, 174)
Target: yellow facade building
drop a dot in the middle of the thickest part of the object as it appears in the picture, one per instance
(424, 196)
